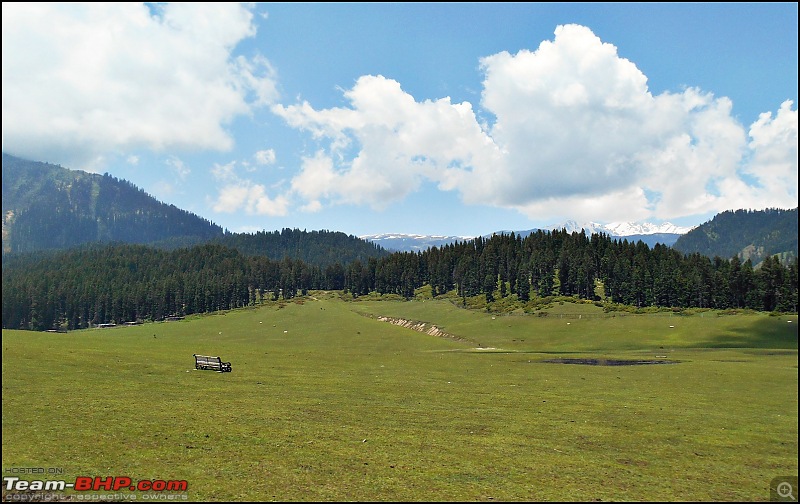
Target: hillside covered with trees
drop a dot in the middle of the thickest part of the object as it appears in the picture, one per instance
(48, 207)
(318, 248)
(747, 234)
(123, 283)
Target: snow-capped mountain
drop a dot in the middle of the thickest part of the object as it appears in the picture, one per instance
(412, 242)
(666, 234)
(622, 228)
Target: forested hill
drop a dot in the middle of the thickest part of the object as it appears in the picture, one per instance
(46, 206)
(316, 248)
(746, 234)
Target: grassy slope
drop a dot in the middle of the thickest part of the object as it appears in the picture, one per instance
(327, 404)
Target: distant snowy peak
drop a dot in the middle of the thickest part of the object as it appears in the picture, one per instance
(412, 242)
(627, 228)
(402, 236)
(623, 228)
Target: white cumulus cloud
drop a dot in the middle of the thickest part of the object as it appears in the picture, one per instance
(81, 80)
(400, 143)
(239, 194)
(774, 164)
(576, 132)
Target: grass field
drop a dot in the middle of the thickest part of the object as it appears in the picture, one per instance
(326, 402)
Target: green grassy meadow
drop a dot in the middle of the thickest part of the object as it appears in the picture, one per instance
(325, 402)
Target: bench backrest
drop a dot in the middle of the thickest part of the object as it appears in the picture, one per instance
(208, 362)
(205, 360)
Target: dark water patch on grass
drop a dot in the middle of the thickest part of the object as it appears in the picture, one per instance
(609, 362)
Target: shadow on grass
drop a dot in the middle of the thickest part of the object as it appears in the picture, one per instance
(772, 332)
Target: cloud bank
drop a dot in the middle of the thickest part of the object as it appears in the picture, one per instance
(576, 132)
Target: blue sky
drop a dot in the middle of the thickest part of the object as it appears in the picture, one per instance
(458, 119)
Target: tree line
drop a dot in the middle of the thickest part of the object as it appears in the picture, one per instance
(120, 283)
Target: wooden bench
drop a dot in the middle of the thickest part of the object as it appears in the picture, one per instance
(212, 363)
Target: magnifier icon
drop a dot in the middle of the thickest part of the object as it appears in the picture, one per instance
(785, 490)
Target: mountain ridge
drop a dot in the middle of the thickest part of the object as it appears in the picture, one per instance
(650, 233)
(49, 207)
